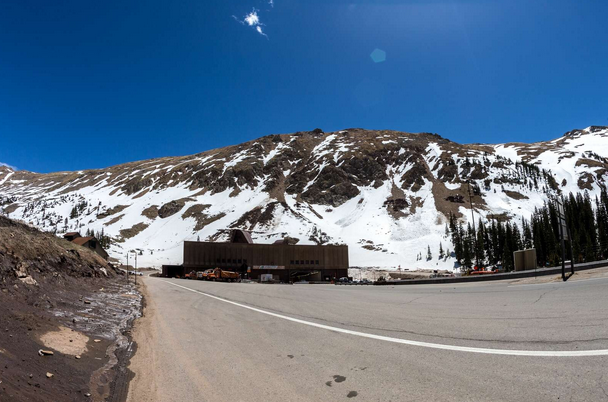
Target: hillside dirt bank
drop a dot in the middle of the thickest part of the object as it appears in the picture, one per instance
(90, 342)
(65, 316)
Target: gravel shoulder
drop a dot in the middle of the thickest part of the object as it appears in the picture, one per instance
(143, 386)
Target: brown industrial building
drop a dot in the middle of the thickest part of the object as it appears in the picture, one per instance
(89, 242)
(286, 262)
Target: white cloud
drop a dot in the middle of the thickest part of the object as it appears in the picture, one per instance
(259, 29)
(271, 2)
(8, 166)
(253, 20)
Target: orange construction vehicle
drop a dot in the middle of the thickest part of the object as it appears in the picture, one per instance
(219, 274)
(207, 275)
(481, 271)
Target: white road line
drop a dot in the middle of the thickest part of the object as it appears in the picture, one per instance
(535, 353)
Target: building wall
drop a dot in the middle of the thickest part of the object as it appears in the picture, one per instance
(227, 255)
(97, 248)
(328, 261)
(172, 271)
(93, 244)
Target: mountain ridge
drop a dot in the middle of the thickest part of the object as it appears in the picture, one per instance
(395, 189)
(588, 130)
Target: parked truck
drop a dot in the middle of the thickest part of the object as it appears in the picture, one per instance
(216, 274)
(206, 275)
(219, 274)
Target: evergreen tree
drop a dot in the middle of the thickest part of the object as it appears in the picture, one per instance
(457, 241)
(467, 246)
(494, 242)
(527, 234)
(601, 227)
(480, 246)
(507, 253)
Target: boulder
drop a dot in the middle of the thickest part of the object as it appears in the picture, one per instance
(28, 280)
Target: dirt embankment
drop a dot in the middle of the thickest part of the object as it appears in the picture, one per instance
(64, 320)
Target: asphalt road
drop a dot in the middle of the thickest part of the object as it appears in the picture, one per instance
(205, 341)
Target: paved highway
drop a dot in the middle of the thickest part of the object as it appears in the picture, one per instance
(208, 341)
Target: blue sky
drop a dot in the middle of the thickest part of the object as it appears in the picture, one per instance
(92, 84)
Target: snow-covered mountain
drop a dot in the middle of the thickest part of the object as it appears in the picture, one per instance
(386, 194)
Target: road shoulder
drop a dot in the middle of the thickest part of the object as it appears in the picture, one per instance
(143, 364)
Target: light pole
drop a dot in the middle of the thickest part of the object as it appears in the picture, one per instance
(134, 269)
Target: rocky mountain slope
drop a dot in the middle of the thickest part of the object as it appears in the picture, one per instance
(386, 194)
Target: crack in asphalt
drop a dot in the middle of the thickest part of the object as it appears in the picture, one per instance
(602, 387)
(413, 300)
(543, 294)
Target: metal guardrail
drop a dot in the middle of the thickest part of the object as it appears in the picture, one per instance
(497, 277)
(354, 283)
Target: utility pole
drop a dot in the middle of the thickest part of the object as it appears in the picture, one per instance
(473, 223)
(471, 200)
(136, 268)
(564, 234)
(563, 245)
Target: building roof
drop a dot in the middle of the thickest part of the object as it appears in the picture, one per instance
(71, 234)
(82, 240)
(240, 236)
(288, 240)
